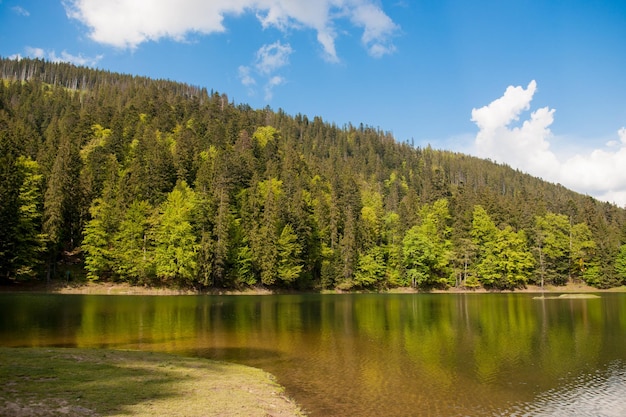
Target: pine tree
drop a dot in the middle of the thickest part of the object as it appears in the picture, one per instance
(30, 239)
(10, 180)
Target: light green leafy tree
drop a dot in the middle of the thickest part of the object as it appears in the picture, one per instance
(565, 251)
(176, 246)
(553, 241)
(96, 244)
(483, 230)
(264, 135)
(371, 268)
(392, 238)
(372, 214)
(133, 261)
(583, 258)
(427, 246)
(504, 260)
(289, 250)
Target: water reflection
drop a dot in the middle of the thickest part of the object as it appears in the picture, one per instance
(601, 393)
(463, 354)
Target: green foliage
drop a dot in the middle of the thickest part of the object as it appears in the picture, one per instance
(99, 140)
(484, 230)
(620, 263)
(133, 254)
(427, 247)
(553, 240)
(392, 248)
(25, 257)
(583, 253)
(162, 182)
(370, 271)
(289, 251)
(265, 134)
(504, 260)
(564, 251)
(245, 266)
(591, 275)
(176, 247)
(97, 241)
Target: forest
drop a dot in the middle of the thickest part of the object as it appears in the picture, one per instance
(113, 177)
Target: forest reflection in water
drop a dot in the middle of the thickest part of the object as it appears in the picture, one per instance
(368, 354)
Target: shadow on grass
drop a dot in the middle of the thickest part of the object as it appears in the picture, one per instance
(88, 382)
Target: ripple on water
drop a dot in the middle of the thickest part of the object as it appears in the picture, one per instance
(600, 394)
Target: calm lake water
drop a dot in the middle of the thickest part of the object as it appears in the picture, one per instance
(368, 355)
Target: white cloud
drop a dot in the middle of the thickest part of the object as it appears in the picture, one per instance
(21, 11)
(378, 29)
(64, 57)
(274, 81)
(271, 57)
(35, 52)
(128, 23)
(245, 77)
(268, 59)
(599, 173)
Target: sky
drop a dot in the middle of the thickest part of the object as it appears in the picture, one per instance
(539, 85)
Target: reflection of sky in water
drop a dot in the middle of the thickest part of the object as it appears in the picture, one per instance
(601, 394)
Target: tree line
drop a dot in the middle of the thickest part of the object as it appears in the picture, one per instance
(154, 182)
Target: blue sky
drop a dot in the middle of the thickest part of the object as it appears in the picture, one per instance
(536, 84)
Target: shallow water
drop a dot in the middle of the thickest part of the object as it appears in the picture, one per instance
(368, 354)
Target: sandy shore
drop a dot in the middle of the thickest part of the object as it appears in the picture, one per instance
(60, 287)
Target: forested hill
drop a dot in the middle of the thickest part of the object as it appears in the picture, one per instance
(161, 183)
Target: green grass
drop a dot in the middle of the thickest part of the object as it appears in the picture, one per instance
(92, 382)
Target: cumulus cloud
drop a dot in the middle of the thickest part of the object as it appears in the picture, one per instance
(63, 57)
(269, 59)
(128, 23)
(527, 147)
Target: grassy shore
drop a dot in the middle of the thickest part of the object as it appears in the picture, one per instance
(93, 382)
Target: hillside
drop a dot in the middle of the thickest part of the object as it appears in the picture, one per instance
(154, 182)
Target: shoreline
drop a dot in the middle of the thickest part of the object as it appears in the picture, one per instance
(113, 288)
(51, 381)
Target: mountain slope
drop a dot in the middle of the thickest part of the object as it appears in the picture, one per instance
(158, 182)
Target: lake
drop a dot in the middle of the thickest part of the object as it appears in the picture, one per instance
(368, 354)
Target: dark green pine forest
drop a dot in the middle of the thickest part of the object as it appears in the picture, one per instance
(112, 177)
